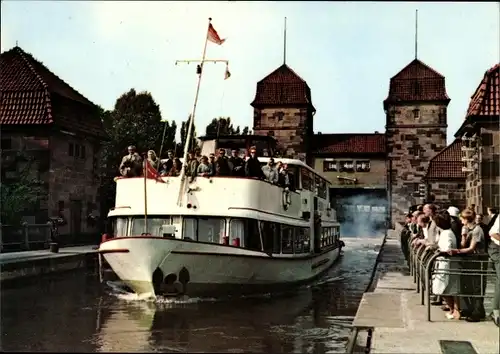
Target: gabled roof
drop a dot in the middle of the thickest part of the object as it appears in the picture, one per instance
(282, 87)
(417, 82)
(447, 164)
(486, 99)
(349, 144)
(27, 90)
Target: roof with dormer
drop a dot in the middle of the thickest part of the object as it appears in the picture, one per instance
(447, 164)
(416, 82)
(282, 87)
(486, 99)
(28, 89)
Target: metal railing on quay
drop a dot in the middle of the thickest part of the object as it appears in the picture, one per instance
(23, 236)
(472, 270)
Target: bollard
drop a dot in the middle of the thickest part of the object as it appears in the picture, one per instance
(54, 247)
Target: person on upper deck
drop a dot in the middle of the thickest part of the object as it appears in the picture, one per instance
(153, 160)
(222, 164)
(237, 164)
(191, 165)
(285, 178)
(204, 168)
(131, 165)
(211, 163)
(170, 160)
(252, 165)
(270, 171)
(176, 168)
(197, 154)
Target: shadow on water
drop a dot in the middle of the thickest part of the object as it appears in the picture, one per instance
(74, 313)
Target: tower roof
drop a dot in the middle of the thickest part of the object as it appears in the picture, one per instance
(282, 87)
(416, 82)
(447, 164)
(486, 99)
(28, 88)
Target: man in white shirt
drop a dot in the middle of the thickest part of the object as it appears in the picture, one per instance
(494, 253)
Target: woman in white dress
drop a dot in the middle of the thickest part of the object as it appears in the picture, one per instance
(444, 283)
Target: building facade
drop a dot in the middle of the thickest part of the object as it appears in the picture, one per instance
(283, 109)
(416, 123)
(445, 180)
(356, 166)
(52, 133)
(480, 133)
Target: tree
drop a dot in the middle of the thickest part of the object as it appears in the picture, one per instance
(184, 133)
(21, 194)
(223, 126)
(135, 120)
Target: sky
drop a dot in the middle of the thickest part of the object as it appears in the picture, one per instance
(346, 51)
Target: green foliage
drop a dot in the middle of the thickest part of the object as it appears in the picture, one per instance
(184, 132)
(135, 120)
(223, 126)
(19, 195)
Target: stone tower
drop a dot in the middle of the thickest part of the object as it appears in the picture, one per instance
(416, 122)
(283, 109)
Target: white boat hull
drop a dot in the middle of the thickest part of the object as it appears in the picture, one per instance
(211, 269)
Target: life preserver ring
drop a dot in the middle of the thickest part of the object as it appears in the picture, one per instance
(286, 199)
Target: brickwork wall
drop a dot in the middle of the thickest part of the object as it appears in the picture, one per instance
(412, 143)
(73, 186)
(483, 185)
(448, 193)
(291, 127)
(375, 178)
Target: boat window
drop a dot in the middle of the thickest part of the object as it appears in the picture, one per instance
(190, 229)
(211, 230)
(321, 187)
(120, 227)
(286, 239)
(271, 237)
(307, 178)
(303, 234)
(299, 242)
(154, 226)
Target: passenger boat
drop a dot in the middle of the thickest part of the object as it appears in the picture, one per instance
(228, 235)
(221, 235)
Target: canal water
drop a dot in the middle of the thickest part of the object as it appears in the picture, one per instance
(73, 312)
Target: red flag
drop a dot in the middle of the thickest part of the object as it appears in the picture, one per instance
(152, 173)
(213, 36)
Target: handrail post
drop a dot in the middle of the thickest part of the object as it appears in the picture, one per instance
(1, 239)
(26, 236)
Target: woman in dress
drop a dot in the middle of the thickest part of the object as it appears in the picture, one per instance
(444, 283)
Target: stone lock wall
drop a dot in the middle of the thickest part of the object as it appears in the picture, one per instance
(483, 185)
(291, 127)
(73, 183)
(412, 143)
(448, 193)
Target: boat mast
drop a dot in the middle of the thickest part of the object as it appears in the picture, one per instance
(193, 112)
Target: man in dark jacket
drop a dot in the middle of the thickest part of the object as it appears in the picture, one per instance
(252, 165)
(237, 164)
(405, 237)
(456, 224)
(222, 164)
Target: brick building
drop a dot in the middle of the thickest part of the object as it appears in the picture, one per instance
(480, 133)
(416, 123)
(356, 165)
(283, 109)
(45, 119)
(445, 180)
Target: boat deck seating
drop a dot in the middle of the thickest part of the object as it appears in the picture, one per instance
(369, 315)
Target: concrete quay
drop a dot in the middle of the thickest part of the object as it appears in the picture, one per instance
(17, 265)
(399, 321)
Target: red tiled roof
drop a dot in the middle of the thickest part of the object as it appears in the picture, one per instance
(447, 164)
(27, 89)
(417, 82)
(282, 87)
(349, 143)
(486, 99)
